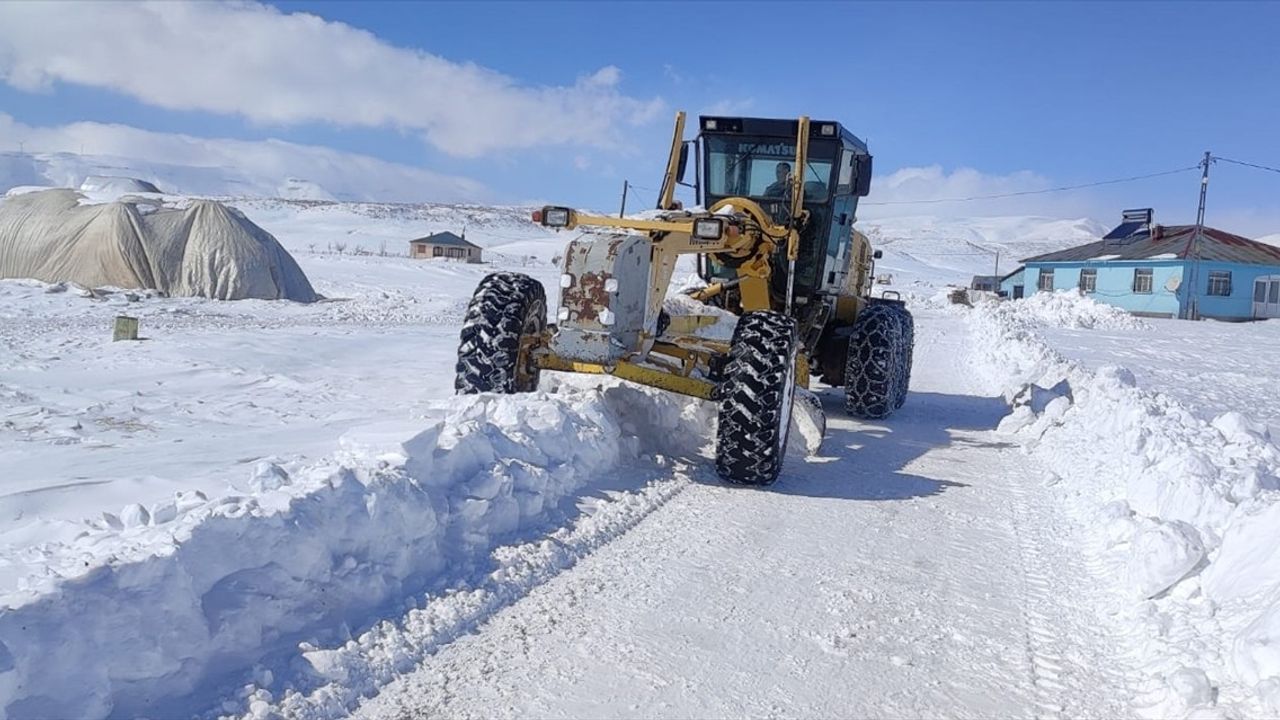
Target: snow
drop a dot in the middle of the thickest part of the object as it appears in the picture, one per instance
(737, 602)
(1064, 309)
(1177, 506)
(229, 168)
(238, 578)
(933, 251)
(266, 509)
(116, 185)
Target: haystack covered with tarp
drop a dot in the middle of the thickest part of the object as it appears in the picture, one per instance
(205, 249)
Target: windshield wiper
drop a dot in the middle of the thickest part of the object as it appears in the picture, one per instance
(737, 160)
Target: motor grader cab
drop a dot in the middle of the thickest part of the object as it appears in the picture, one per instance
(775, 245)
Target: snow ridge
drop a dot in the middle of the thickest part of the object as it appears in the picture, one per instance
(1180, 513)
(358, 668)
(200, 591)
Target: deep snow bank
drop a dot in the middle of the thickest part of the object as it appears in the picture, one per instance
(150, 612)
(1185, 513)
(1063, 308)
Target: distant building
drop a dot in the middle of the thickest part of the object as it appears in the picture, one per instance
(989, 283)
(1173, 271)
(1013, 285)
(445, 245)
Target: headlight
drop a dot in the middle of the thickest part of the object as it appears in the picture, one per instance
(828, 130)
(555, 217)
(708, 229)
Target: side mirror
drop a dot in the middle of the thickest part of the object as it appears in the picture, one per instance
(877, 254)
(862, 186)
(683, 163)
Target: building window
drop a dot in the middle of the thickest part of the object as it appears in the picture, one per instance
(1220, 283)
(1045, 281)
(1088, 280)
(1142, 280)
(437, 251)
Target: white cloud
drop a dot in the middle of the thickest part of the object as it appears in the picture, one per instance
(899, 194)
(728, 107)
(203, 166)
(270, 67)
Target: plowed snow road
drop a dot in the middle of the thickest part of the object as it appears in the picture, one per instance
(914, 569)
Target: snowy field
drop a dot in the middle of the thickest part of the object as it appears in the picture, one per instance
(270, 509)
(1211, 367)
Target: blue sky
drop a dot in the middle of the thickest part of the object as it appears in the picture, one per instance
(1028, 95)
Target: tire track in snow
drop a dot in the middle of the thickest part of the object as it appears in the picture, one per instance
(361, 667)
(1065, 682)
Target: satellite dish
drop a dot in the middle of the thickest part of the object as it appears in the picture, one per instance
(1173, 283)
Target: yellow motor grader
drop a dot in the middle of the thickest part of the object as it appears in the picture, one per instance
(775, 245)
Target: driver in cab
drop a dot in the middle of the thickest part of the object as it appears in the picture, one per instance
(781, 187)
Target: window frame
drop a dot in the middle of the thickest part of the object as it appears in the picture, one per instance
(1040, 281)
(1092, 274)
(1148, 274)
(1223, 278)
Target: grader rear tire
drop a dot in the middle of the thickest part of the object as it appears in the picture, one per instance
(506, 313)
(756, 399)
(876, 364)
(908, 355)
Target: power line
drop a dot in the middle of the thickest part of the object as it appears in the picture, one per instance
(1241, 162)
(1037, 192)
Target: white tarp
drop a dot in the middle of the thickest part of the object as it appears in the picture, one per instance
(206, 249)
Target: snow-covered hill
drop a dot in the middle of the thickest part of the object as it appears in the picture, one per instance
(306, 226)
(311, 206)
(949, 250)
(281, 170)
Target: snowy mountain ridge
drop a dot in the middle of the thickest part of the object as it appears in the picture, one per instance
(371, 205)
(287, 171)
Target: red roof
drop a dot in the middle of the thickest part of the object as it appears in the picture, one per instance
(1172, 242)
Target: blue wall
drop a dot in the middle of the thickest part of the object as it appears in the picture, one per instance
(1016, 278)
(1115, 283)
(1237, 306)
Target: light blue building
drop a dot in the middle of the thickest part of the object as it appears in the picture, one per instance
(1157, 271)
(1013, 285)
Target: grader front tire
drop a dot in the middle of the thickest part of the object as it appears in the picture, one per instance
(756, 399)
(507, 313)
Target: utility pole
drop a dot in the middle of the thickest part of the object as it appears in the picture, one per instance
(995, 282)
(1193, 292)
(623, 211)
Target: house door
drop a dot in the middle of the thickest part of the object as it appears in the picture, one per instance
(1266, 297)
(1017, 292)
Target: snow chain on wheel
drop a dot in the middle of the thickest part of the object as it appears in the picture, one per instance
(756, 399)
(508, 312)
(874, 373)
(908, 326)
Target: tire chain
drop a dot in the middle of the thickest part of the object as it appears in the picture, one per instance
(874, 364)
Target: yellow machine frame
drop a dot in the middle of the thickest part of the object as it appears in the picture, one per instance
(748, 233)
